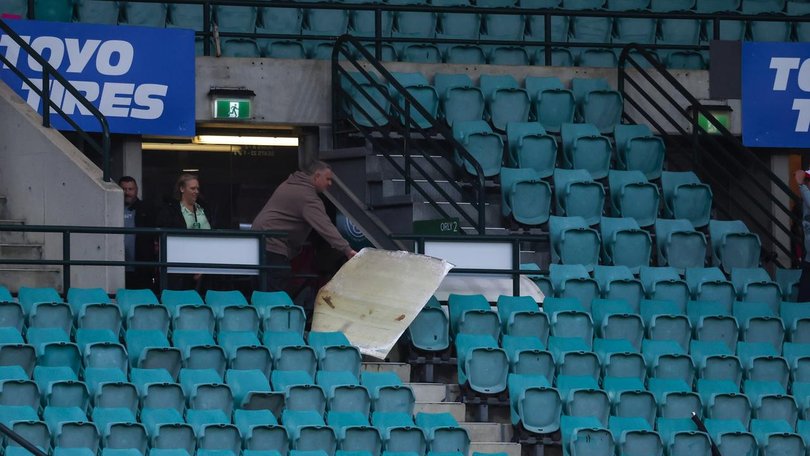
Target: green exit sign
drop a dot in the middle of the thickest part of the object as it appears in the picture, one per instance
(232, 109)
(723, 118)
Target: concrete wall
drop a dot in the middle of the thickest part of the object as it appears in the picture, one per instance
(298, 92)
(49, 182)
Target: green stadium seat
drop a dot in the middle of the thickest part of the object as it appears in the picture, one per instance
(534, 404)
(584, 148)
(530, 147)
(573, 281)
(552, 104)
(731, 437)
(482, 143)
(666, 359)
(481, 364)
(679, 244)
(710, 284)
(637, 149)
(506, 100)
(578, 195)
(624, 243)
(685, 197)
(755, 285)
(459, 99)
(524, 196)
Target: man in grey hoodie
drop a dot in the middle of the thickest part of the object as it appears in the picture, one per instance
(296, 208)
(802, 179)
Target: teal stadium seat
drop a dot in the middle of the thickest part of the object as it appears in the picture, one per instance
(631, 195)
(552, 104)
(679, 244)
(681, 437)
(634, 436)
(624, 243)
(343, 392)
(578, 195)
(755, 285)
(430, 330)
(573, 242)
(573, 281)
(801, 28)
(521, 316)
(443, 433)
(472, 314)
(615, 319)
(482, 143)
(776, 436)
(417, 86)
(597, 103)
(618, 283)
(666, 359)
(797, 321)
(761, 363)
(368, 103)
(574, 359)
(788, 280)
(98, 11)
(387, 392)
(459, 100)
(530, 147)
(308, 432)
(710, 284)
(146, 14)
(534, 404)
(731, 437)
(775, 31)
(715, 361)
(524, 196)
(733, 245)
(619, 358)
(585, 435)
(335, 352)
(637, 149)
(528, 356)
(675, 398)
(481, 363)
(585, 148)
(300, 391)
(685, 197)
(464, 54)
(506, 100)
(759, 323)
(712, 322)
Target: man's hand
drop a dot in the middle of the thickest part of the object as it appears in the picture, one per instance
(799, 175)
(350, 254)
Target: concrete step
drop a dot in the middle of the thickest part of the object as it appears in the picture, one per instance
(429, 392)
(487, 432)
(13, 278)
(457, 409)
(401, 369)
(12, 236)
(511, 449)
(21, 251)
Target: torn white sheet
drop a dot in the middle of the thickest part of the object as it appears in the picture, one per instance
(376, 295)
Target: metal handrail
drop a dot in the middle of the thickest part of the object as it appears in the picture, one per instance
(50, 73)
(22, 441)
(731, 149)
(340, 50)
(160, 233)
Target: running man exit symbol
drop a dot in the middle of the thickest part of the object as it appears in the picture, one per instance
(234, 111)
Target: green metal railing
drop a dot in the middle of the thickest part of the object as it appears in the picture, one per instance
(51, 75)
(160, 234)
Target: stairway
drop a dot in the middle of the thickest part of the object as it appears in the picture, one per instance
(17, 246)
(490, 437)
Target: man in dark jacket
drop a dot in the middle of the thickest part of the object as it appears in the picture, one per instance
(296, 208)
(137, 247)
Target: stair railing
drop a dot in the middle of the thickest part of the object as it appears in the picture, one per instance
(396, 129)
(657, 96)
(51, 75)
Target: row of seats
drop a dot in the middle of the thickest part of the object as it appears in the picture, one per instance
(500, 99)
(575, 244)
(528, 198)
(450, 25)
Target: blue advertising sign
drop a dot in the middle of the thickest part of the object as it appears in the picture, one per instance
(141, 79)
(776, 94)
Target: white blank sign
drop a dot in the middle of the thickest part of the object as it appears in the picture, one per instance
(212, 250)
(472, 255)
